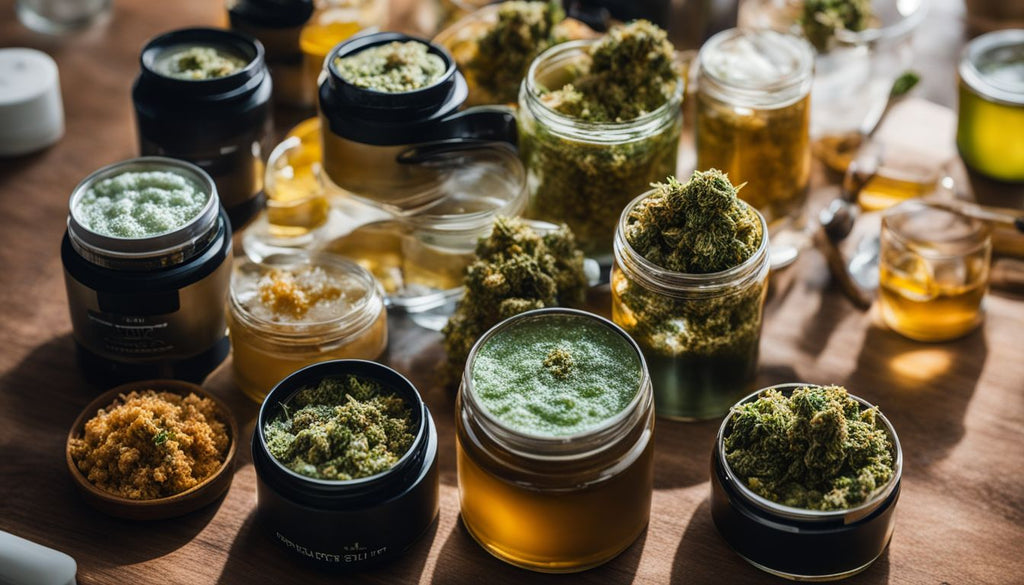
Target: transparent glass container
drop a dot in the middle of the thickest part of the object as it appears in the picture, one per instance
(700, 333)
(58, 17)
(991, 115)
(584, 173)
(753, 114)
(266, 348)
(795, 543)
(554, 504)
(933, 271)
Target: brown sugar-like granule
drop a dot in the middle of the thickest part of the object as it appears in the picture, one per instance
(151, 444)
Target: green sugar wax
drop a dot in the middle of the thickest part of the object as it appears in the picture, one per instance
(556, 375)
(140, 204)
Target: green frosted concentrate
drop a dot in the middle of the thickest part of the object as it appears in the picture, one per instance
(556, 375)
(140, 204)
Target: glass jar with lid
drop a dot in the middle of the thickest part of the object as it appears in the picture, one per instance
(555, 467)
(292, 310)
(991, 121)
(753, 111)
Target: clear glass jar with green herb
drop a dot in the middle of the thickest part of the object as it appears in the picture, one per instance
(699, 328)
(584, 166)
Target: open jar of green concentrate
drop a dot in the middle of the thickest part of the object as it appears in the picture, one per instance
(583, 173)
(554, 423)
(753, 116)
(990, 132)
(292, 310)
(700, 333)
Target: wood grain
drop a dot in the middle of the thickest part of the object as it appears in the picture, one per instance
(958, 407)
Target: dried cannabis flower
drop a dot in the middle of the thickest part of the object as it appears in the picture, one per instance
(515, 271)
(632, 72)
(816, 449)
(559, 362)
(342, 428)
(503, 54)
(822, 18)
(697, 228)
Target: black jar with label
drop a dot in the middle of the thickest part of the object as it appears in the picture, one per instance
(149, 307)
(277, 24)
(221, 124)
(395, 148)
(344, 525)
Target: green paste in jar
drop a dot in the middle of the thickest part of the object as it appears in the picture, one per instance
(140, 204)
(393, 67)
(556, 375)
(817, 449)
(343, 428)
(199, 63)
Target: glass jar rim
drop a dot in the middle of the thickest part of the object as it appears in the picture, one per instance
(664, 281)
(985, 46)
(847, 515)
(579, 445)
(530, 92)
(793, 81)
(979, 238)
(348, 324)
(160, 250)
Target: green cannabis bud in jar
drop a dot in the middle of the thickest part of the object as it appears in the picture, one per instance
(515, 270)
(392, 68)
(821, 19)
(689, 284)
(816, 449)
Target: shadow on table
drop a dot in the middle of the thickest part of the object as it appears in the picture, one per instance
(682, 451)
(47, 391)
(462, 560)
(924, 389)
(255, 557)
(704, 557)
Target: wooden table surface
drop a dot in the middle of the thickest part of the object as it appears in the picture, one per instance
(958, 407)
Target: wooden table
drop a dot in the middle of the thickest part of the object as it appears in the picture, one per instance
(958, 406)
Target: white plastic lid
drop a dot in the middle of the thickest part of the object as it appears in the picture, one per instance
(31, 111)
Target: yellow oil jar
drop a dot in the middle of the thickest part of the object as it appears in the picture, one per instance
(990, 130)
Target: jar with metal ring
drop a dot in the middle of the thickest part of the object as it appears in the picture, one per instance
(554, 422)
(203, 95)
(147, 282)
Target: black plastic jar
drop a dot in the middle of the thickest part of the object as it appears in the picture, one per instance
(350, 524)
(277, 24)
(393, 148)
(149, 307)
(796, 543)
(221, 124)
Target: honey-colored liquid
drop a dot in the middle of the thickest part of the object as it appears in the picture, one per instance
(883, 191)
(919, 307)
(555, 531)
(296, 201)
(331, 24)
(376, 247)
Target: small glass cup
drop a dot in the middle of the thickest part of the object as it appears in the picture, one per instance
(57, 17)
(934, 268)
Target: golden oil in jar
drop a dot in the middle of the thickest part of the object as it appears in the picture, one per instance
(334, 21)
(934, 267)
(297, 201)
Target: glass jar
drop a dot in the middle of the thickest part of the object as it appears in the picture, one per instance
(554, 504)
(268, 344)
(700, 333)
(277, 24)
(221, 124)
(333, 22)
(934, 269)
(584, 173)
(796, 543)
(149, 307)
(991, 121)
(341, 525)
(753, 111)
(58, 17)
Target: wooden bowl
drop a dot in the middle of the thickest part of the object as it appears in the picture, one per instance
(179, 504)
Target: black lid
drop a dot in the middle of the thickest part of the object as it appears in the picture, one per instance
(272, 13)
(243, 45)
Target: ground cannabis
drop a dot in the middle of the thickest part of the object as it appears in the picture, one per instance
(503, 54)
(515, 270)
(200, 63)
(821, 19)
(701, 347)
(817, 449)
(585, 175)
(342, 428)
(392, 68)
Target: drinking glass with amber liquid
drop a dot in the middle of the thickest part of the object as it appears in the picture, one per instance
(934, 268)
